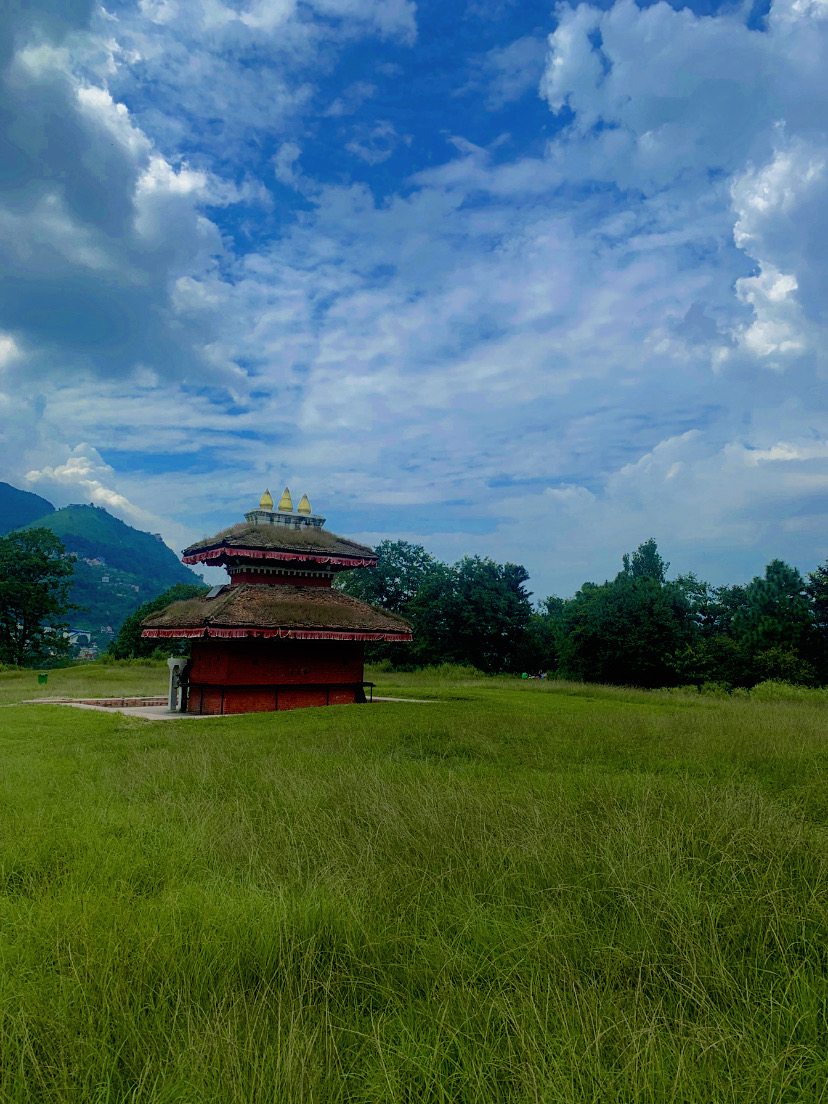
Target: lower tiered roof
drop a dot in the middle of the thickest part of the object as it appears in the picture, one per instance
(303, 613)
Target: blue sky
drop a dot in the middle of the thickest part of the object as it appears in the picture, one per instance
(535, 282)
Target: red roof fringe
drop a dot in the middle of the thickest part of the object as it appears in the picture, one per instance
(282, 634)
(270, 554)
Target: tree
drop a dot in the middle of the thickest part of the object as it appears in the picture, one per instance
(35, 578)
(776, 624)
(645, 562)
(491, 612)
(726, 603)
(817, 591)
(715, 658)
(541, 646)
(713, 608)
(776, 612)
(129, 644)
(433, 615)
(406, 580)
(627, 631)
(401, 570)
(475, 612)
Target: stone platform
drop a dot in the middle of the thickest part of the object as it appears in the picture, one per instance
(157, 708)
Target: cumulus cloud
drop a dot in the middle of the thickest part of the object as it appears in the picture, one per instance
(579, 336)
(84, 470)
(664, 101)
(713, 509)
(96, 246)
(781, 221)
(90, 243)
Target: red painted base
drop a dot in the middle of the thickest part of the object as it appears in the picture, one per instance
(258, 676)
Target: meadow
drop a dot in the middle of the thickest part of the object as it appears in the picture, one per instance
(517, 892)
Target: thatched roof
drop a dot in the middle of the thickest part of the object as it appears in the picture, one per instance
(305, 541)
(286, 610)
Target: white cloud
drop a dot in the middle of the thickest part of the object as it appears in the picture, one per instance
(84, 470)
(711, 511)
(94, 226)
(663, 100)
(781, 221)
(375, 144)
(82, 475)
(351, 99)
(284, 164)
(8, 350)
(506, 73)
(240, 70)
(777, 327)
(104, 113)
(545, 358)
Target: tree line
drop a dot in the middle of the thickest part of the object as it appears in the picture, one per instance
(639, 628)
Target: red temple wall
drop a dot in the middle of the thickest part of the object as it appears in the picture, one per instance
(247, 676)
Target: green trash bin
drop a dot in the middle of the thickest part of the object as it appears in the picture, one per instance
(42, 679)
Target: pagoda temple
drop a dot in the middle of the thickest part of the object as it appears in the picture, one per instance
(278, 635)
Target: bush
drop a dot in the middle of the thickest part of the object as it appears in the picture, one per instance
(689, 689)
(157, 659)
(779, 690)
(717, 688)
(452, 672)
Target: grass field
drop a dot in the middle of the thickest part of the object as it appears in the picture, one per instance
(518, 892)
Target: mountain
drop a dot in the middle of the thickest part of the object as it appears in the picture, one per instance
(19, 508)
(117, 568)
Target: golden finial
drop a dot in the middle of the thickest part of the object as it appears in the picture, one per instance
(266, 502)
(304, 506)
(285, 502)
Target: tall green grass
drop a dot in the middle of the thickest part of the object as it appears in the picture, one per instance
(518, 892)
(135, 677)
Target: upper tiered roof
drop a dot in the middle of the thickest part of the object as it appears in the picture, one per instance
(279, 535)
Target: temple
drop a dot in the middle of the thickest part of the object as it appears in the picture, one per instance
(278, 635)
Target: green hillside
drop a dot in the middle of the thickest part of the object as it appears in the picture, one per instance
(136, 566)
(19, 508)
(104, 605)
